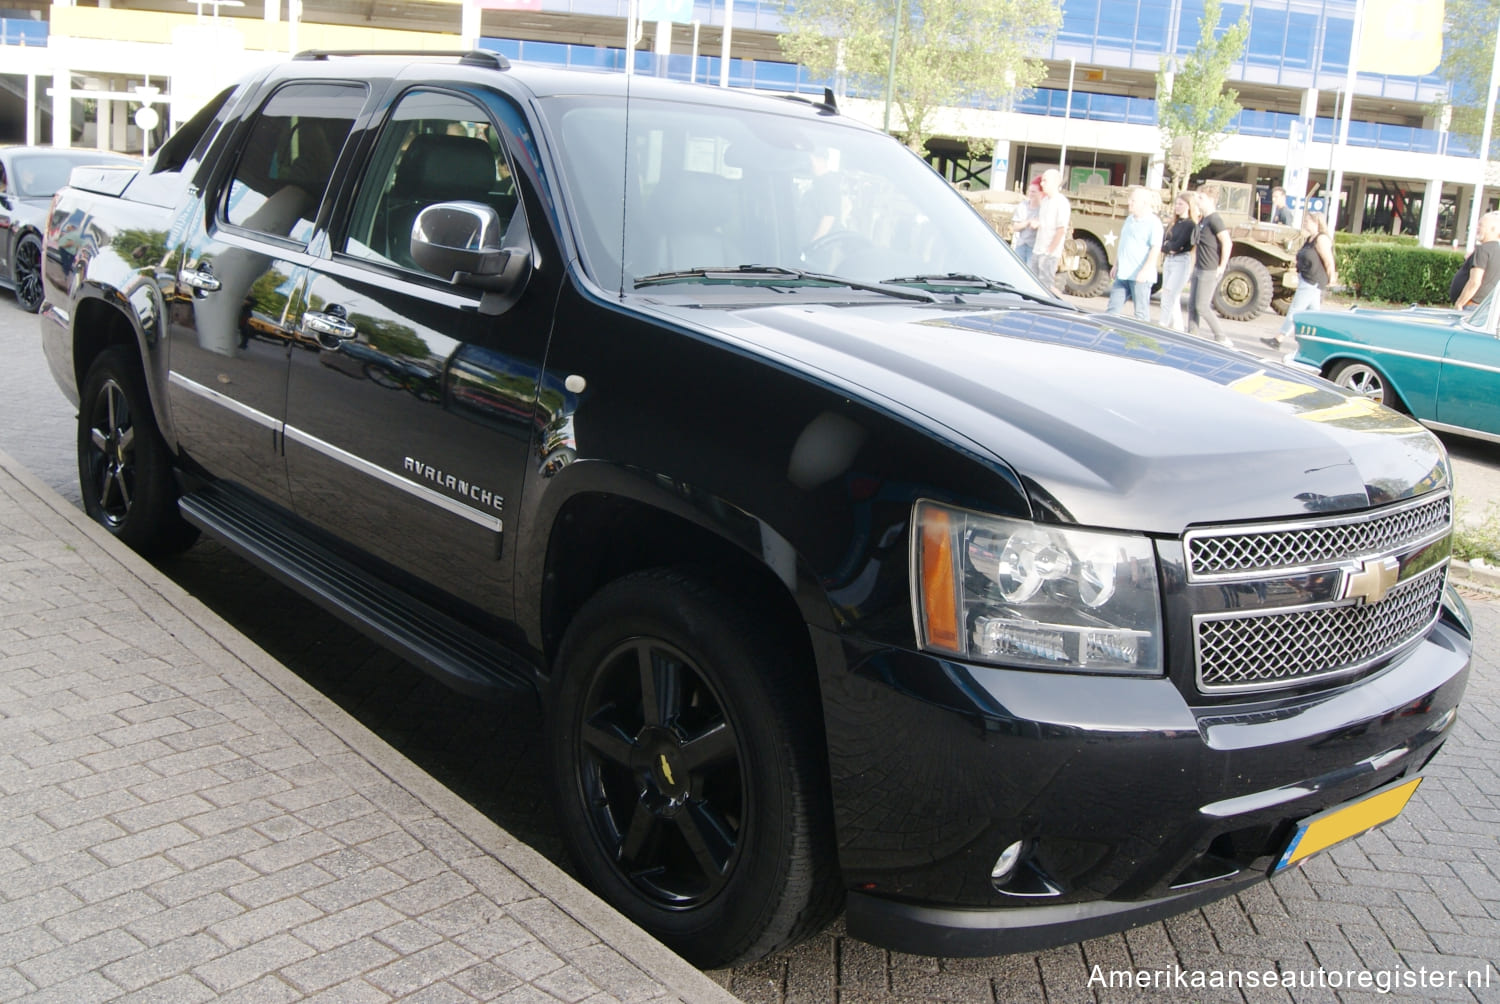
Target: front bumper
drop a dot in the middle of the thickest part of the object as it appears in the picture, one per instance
(1131, 803)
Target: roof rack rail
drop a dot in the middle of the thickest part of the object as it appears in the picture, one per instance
(468, 57)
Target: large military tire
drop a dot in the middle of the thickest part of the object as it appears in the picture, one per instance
(1245, 291)
(1091, 277)
(1282, 304)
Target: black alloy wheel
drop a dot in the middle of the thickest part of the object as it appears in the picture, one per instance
(124, 469)
(663, 772)
(690, 772)
(27, 273)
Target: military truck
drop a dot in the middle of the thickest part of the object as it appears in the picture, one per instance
(1261, 273)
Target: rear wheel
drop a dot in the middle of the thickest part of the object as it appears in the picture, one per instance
(1367, 380)
(27, 273)
(1245, 290)
(124, 468)
(1090, 277)
(687, 753)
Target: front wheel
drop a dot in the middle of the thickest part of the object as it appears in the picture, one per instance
(124, 469)
(1367, 380)
(691, 779)
(27, 273)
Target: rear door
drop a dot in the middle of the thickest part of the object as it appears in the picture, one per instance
(243, 275)
(409, 431)
(1468, 394)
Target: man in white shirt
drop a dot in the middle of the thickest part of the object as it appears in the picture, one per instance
(1051, 230)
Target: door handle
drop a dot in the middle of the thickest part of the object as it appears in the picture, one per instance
(327, 325)
(201, 278)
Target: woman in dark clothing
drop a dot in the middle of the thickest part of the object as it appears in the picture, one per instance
(1177, 263)
(1315, 273)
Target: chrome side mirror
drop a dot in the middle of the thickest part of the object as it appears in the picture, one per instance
(460, 242)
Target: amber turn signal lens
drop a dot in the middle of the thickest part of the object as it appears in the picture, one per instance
(939, 598)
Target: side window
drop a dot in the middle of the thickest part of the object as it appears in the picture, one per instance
(285, 165)
(436, 147)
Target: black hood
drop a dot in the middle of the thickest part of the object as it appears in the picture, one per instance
(1109, 422)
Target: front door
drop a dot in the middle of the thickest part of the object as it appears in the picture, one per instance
(409, 431)
(242, 277)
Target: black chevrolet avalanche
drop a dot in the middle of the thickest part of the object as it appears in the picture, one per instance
(851, 569)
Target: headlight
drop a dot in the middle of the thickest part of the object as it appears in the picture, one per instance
(1019, 593)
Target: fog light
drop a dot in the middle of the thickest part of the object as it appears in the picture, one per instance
(1005, 864)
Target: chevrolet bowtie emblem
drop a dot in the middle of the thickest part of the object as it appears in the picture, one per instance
(1373, 580)
(666, 770)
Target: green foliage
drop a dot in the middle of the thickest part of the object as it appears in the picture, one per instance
(1468, 55)
(1381, 270)
(1375, 237)
(947, 51)
(1195, 103)
(1476, 537)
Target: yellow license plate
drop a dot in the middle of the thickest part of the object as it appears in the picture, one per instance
(1332, 826)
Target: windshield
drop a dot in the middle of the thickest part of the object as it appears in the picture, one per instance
(40, 175)
(707, 186)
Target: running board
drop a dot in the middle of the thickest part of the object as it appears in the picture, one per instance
(435, 642)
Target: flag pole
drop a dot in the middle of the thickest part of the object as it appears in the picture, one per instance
(1336, 189)
(1484, 147)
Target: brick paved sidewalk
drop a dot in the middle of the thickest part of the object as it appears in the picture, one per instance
(183, 819)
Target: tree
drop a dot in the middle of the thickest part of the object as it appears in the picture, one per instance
(1195, 102)
(1468, 53)
(947, 51)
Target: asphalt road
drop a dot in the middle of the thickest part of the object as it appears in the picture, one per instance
(1420, 896)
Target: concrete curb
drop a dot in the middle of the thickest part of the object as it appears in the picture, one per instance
(1476, 574)
(611, 927)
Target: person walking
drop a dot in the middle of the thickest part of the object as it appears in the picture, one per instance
(1051, 230)
(1024, 223)
(1211, 256)
(1177, 261)
(1281, 213)
(1484, 272)
(1315, 273)
(1134, 271)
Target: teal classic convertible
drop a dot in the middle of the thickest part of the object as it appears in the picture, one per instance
(1440, 366)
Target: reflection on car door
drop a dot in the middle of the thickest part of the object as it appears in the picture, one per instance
(1468, 393)
(408, 432)
(242, 277)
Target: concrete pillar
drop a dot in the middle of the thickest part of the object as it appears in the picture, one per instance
(104, 110)
(1133, 169)
(273, 14)
(1461, 218)
(1294, 176)
(1361, 188)
(468, 29)
(1156, 171)
(31, 136)
(661, 46)
(62, 108)
(1432, 201)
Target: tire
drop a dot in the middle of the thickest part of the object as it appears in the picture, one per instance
(124, 468)
(1367, 380)
(1245, 291)
(1281, 304)
(701, 810)
(26, 273)
(1091, 276)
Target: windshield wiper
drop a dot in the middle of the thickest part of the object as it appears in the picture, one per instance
(965, 280)
(777, 273)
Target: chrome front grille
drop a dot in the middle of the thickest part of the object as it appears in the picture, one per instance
(1283, 648)
(1283, 605)
(1254, 550)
